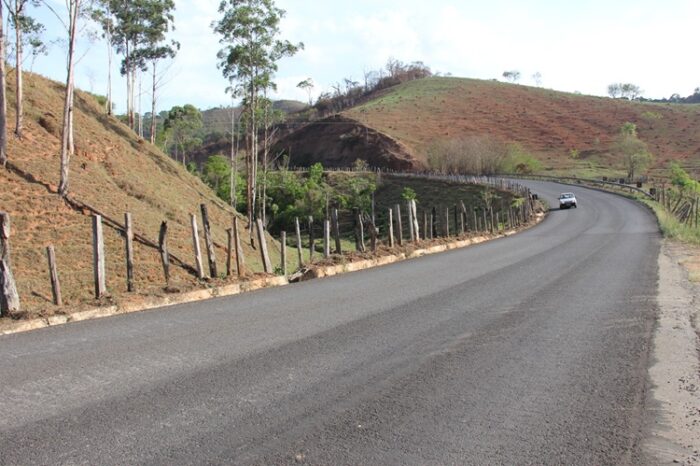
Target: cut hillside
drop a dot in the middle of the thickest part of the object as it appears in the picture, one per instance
(338, 141)
(546, 123)
(112, 172)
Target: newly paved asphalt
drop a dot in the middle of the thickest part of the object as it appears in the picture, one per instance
(527, 350)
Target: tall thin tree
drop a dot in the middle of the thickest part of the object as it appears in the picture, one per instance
(102, 14)
(251, 50)
(67, 127)
(20, 20)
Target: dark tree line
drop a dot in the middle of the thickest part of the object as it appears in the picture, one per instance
(694, 98)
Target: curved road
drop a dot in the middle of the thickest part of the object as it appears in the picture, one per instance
(528, 349)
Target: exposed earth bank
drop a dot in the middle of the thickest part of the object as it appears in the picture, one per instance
(338, 141)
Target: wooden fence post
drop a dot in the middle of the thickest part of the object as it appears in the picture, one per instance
(98, 255)
(391, 228)
(209, 242)
(416, 230)
(373, 232)
(262, 242)
(283, 253)
(298, 232)
(411, 234)
(447, 222)
(336, 231)
(492, 219)
(509, 219)
(311, 239)
(229, 251)
(129, 240)
(426, 233)
(197, 248)
(361, 232)
(433, 223)
(456, 219)
(399, 229)
(326, 238)
(9, 298)
(53, 276)
(163, 248)
(237, 245)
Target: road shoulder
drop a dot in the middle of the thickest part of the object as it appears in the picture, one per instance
(673, 415)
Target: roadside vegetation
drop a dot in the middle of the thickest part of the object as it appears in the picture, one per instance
(678, 207)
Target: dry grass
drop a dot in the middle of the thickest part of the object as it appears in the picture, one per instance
(547, 123)
(113, 171)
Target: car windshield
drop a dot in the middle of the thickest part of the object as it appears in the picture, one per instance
(566, 196)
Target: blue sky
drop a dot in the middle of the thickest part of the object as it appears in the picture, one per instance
(579, 45)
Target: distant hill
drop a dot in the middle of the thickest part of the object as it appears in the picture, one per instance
(217, 128)
(218, 119)
(112, 171)
(549, 124)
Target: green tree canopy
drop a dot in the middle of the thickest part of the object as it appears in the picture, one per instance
(636, 155)
(182, 125)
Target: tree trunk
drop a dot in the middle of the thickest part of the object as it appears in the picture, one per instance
(153, 106)
(18, 68)
(140, 120)
(67, 137)
(266, 148)
(71, 139)
(127, 69)
(109, 70)
(234, 164)
(133, 100)
(249, 175)
(3, 102)
(252, 181)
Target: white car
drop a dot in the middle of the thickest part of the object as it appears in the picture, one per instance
(567, 200)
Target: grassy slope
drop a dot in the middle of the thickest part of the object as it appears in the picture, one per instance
(112, 171)
(546, 122)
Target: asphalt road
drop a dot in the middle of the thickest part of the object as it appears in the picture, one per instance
(527, 350)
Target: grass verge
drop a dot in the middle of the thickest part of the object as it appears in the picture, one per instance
(671, 227)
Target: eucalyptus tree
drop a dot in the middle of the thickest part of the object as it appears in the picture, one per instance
(156, 48)
(182, 124)
(21, 22)
(308, 86)
(139, 27)
(67, 147)
(103, 16)
(154, 56)
(249, 31)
